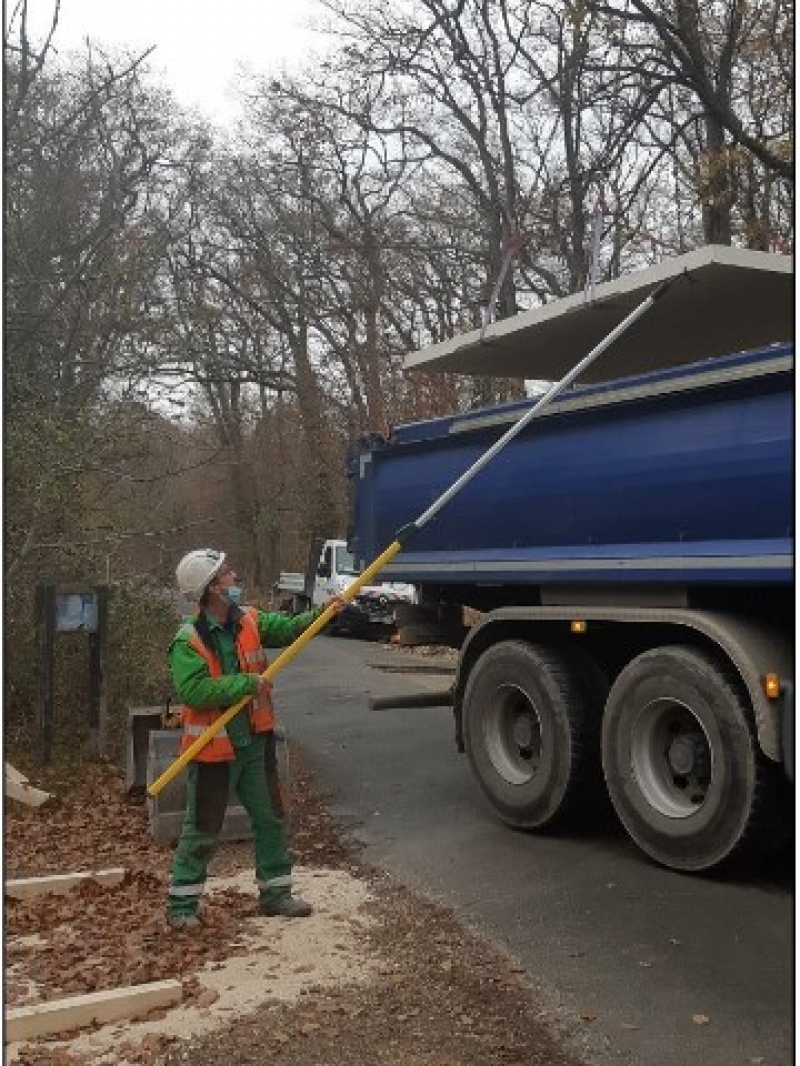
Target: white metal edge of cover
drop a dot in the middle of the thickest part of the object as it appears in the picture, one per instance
(626, 393)
(707, 255)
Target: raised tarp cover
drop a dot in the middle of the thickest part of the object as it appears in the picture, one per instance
(725, 300)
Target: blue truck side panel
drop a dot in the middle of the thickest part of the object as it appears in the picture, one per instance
(684, 476)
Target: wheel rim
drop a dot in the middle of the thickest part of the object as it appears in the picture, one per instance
(671, 758)
(513, 735)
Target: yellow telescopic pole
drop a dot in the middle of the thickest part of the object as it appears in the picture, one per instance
(403, 534)
(274, 667)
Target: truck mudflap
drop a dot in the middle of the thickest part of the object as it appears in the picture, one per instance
(754, 649)
(787, 728)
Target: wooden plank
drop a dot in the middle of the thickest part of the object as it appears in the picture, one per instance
(13, 774)
(16, 787)
(75, 1012)
(25, 887)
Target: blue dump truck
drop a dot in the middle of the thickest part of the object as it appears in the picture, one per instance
(627, 560)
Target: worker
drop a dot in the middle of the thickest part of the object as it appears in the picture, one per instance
(216, 660)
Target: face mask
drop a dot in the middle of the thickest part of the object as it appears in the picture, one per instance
(233, 594)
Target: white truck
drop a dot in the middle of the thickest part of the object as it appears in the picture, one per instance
(330, 570)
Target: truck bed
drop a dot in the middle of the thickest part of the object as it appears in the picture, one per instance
(681, 476)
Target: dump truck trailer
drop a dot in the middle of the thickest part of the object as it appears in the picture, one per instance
(628, 556)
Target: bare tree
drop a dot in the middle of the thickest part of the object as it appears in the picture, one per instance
(720, 51)
(85, 164)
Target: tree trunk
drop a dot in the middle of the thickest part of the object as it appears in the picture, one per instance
(715, 192)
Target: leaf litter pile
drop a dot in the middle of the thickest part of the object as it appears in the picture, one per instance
(435, 996)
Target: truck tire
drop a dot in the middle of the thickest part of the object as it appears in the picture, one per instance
(531, 731)
(333, 628)
(682, 765)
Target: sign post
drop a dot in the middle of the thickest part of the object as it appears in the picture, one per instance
(98, 698)
(71, 610)
(45, 631)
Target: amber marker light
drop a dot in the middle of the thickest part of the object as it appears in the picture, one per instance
(578, 625)
(772, 685)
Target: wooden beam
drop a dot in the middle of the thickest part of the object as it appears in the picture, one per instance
(25, 887)
(75, 1012)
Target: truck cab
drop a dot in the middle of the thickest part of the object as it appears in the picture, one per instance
(335, 570)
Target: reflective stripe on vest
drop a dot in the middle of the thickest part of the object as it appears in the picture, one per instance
(198, 730)
(253, 660)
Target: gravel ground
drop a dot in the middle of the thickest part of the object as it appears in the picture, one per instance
(440, 998)
(423, 990)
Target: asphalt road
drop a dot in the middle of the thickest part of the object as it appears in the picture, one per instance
(639, 965)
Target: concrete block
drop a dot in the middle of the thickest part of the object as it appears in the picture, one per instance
(141, 720)
(165, 811)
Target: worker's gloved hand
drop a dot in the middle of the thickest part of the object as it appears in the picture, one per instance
(264, 687)
(336, 604)
(170, 716)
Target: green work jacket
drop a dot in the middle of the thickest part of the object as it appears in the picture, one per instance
(189, 670)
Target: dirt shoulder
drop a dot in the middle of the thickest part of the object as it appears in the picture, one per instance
(377, 975)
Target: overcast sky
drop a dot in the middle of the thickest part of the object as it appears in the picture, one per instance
(198, 42)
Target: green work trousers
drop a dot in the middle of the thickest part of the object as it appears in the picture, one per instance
(254, 776)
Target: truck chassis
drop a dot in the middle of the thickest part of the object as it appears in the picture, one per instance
(551, 704)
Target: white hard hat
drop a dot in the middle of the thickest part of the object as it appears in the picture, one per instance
(196, 569)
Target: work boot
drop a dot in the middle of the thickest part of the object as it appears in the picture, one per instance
(183, 921)
(285, 907)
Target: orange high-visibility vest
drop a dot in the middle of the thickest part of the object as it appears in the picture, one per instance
(253, 660)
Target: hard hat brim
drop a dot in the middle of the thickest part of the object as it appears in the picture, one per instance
(187, 586)
(214, 572)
